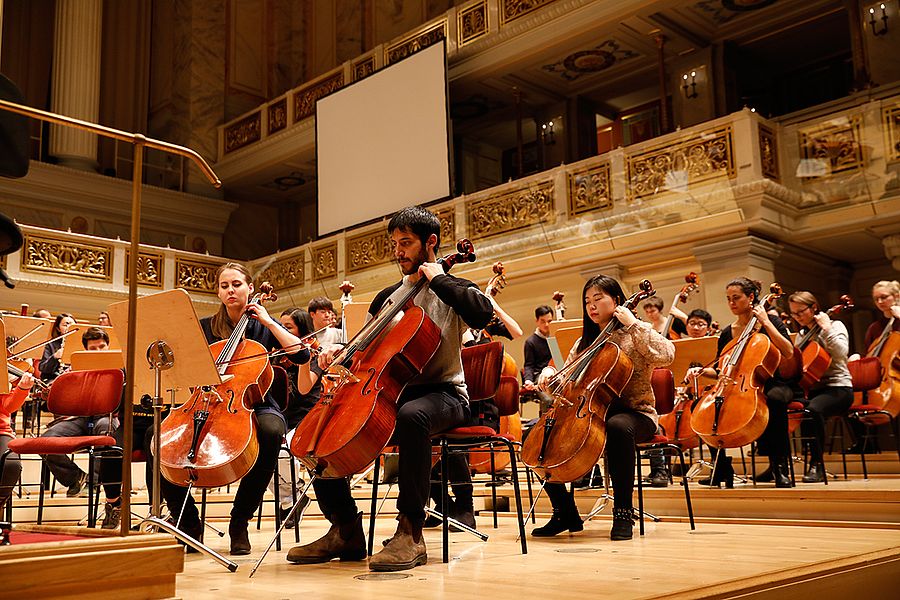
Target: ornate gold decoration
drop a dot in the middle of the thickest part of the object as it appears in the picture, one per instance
(367, 250)
(416, 42)
(324, 260)
(363, 68)
(473, 23)
(768, 152)
(243, 132)
(836, 141)
(285, 273)
(63, 257)
(892, 132)
(510, 10)
(305, 98)
(195, 275)
(149, 268)
(704, 156)
(589, 189)
(509, 211)
(277, 115)
(447, 217)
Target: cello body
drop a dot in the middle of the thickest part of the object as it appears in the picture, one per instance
(677, 424)
(887, 395)
(510, 425)
(224, 447)
(734, 413)
(350, 425)
(816, 361)
(569, 438)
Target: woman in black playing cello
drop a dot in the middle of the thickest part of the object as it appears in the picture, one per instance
(630, 418)
(234, 287)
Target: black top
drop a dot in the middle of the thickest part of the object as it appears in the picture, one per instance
(49, 365)
(678, 327)
(258, 332)
(726, 336)
(537, 356)
(300, 404)
(872, 333)
(455, 292)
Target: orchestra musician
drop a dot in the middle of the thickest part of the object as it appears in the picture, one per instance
(537, 349)
(833, 393)
(10, 403)
(434, 401)
(630, 418)
(321, 310)
(653, 310)
(234, 288)
(50, 367)
(743, 297)
(886, 295)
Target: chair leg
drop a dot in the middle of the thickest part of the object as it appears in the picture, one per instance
(640, 486)
(277, 493)
(528, 474)
(44, 473)
(862, 454)
(494, 486)
(202, 511)
(445, 525)
(687, 491)
(374, 508)
(518, 493)
(294, 496)
(752, 460)
(92, 519)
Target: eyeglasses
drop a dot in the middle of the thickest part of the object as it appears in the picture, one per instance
(800, 312)
(697, 324)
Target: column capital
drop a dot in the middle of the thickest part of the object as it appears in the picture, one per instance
(891, 245)
(748, 251)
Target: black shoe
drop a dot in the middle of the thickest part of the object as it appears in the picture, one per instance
(659, 478)
(815, 474)
(240, 538)
(558, 523)
(765, 476)
(466, 517)
(780, 472)
(623, 522)
(192, 530)
(431, 522)
(291, 523)
(723, 473)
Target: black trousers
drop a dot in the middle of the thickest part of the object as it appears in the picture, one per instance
(624, 428)
(824, 403)
(111, 466)
(774, 439)
(12, 469)
(270, 434)
(422, 412)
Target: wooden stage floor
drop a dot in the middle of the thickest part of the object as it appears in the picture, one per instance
(715, 561)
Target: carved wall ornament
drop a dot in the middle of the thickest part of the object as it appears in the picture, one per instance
(63, 257)
(589, 189)
(416, 42)
(836, 143)
(447, 217)
(678, 165)
(285, 273)
(367, 250)
(585, 62)
(306, 97)
(149, 268)
(243, 132)
(510, 10)
(892, 132)
(324, 260)
(195, 275)
(277, 112)
(472, 23)
(768, 152)
(363, 68)
(510, 211)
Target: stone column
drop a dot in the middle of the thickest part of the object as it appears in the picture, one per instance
(892, 250)
(76, 80)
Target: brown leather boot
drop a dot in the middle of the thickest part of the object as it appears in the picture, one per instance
(344, 541)
(404, 551)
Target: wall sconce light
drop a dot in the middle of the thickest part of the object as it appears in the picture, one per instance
(689, 84)
(547, 134)
(884, 20)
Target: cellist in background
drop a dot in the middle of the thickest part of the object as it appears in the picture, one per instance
(833, 393)
(743, 296)
(234, 286)
(434, 401)
(629, 419)
(653, 310)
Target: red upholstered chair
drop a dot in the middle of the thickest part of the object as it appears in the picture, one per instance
(866, 374)
(663, 384)
(76, 394)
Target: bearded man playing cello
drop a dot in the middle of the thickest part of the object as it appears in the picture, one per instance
(434, 401)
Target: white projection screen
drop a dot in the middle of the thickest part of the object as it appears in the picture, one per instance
(382, 143)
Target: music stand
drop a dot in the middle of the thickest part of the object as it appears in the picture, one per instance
(179, 357)
(29, 331)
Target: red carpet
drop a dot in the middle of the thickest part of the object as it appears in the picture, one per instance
(25, 537)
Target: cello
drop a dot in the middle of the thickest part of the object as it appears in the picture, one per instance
(210, 440)
(691, 285)
(569, 438)
(511, 425)
(815, 359)
(677, 424)
(734, 413)
(886, 348)
(352, 423)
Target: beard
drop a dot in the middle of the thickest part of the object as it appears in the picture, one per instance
(409, 268)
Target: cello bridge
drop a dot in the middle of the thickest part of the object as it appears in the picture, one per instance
(340, 375)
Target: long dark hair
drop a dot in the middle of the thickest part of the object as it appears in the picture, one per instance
(303, 322)
(750, 287)
(610, 287)
(56, 332)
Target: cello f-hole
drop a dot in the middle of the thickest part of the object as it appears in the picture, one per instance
(582, 402)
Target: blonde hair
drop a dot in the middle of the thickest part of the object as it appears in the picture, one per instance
(220, 324)
(893, 287)
(803, 298)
